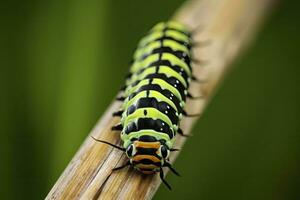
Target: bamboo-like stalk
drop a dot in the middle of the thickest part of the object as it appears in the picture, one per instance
(228, 24)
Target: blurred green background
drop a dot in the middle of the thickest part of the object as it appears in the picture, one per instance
(63, 61)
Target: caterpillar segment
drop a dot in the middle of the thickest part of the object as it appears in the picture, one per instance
(154, 98)
(165, 35)
(163, 46)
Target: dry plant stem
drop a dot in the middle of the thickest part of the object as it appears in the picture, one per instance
(228, 24)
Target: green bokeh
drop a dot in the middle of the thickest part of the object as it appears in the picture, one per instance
(63, 61)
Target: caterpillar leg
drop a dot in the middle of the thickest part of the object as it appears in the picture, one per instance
(166, 164)
(117, 127)
(192, 97)
(118, 113)
(129, 74)
(194, 78)
(180, 132)
(122, 88)
(189, 115)
(199, 62)
(121, 98)
(161, 175)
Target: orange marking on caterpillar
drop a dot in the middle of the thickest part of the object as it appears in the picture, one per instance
(149, 157)
(154, 145)
(143, 166)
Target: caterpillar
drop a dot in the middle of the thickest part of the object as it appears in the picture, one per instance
(154, 97)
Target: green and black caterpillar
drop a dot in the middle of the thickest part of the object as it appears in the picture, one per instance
(155, 96)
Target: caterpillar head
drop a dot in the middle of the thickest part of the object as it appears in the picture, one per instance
(147, 154)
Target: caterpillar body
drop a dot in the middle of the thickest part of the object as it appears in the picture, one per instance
(155, 96)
